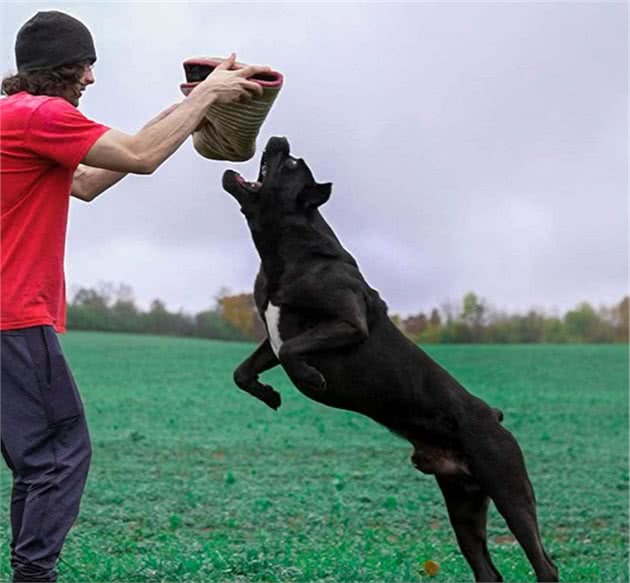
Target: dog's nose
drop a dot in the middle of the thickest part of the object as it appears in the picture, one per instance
(277, 145)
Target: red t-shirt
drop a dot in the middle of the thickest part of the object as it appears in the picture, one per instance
(42, 141)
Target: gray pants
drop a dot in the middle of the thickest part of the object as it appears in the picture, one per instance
(45, 443)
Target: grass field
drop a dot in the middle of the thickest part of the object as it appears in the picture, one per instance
(193, 480)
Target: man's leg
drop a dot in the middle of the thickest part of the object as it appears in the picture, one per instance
(18, 497)
(45, 438)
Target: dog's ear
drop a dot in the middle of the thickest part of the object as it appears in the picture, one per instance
(315, 195)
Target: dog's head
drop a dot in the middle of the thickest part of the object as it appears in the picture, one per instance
(284, 191)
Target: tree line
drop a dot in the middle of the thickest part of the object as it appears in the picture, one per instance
(475, 321)
(110, 308)
(113, 308)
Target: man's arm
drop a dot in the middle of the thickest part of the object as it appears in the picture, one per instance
(144, 152)
(88, 182)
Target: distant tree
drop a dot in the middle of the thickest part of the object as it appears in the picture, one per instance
(413, 326)
(89, 310)
(622, 320)
(123, 312)
(474, 310)
(124, 293)
(209, 324)
(239, 310)
(158, 319)
(158, 307)
(435, 320)
(501, 329)
(530, 327)
(584, 325)
(126, 316)
(90, 298)
(553, 331)
(224, 292)
(470, 324)
(431, 335)
(449, 310)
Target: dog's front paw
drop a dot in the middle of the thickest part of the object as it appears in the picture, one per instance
(271, 397)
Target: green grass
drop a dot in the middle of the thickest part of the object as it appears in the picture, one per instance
(193, 480)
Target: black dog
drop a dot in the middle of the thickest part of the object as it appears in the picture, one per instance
(330, 332)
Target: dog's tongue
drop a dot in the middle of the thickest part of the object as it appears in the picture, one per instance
(256, 185)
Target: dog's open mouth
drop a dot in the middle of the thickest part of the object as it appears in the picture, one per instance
(276, 151)
(251, 186)
(254, 185)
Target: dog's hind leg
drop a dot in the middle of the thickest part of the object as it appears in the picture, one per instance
(467, 507)
(246, 375)
(499, 466)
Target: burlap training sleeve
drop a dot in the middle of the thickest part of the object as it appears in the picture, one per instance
(229, 131)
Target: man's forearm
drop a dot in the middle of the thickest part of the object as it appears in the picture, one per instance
(88, 183)
(157, 141)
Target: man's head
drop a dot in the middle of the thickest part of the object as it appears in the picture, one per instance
(285, 193)
(54, 53)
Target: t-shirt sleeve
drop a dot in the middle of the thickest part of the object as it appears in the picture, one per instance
(59, 131)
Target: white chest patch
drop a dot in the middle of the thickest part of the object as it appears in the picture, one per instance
(272, 318)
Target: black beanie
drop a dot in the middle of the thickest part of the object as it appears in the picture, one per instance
(52, 39)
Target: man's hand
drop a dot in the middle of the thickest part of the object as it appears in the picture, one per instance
(229, 84)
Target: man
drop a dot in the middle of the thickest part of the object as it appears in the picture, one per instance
(48, 151)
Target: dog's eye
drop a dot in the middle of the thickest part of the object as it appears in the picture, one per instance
(291, 163)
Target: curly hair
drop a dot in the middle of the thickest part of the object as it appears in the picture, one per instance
(53, 82)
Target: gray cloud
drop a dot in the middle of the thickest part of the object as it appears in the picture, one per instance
(472, 146)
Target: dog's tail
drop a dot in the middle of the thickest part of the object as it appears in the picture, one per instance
(498, 413)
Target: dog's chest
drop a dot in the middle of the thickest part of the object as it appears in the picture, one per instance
(272, 319)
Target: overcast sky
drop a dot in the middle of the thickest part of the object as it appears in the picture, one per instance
(472, 146)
